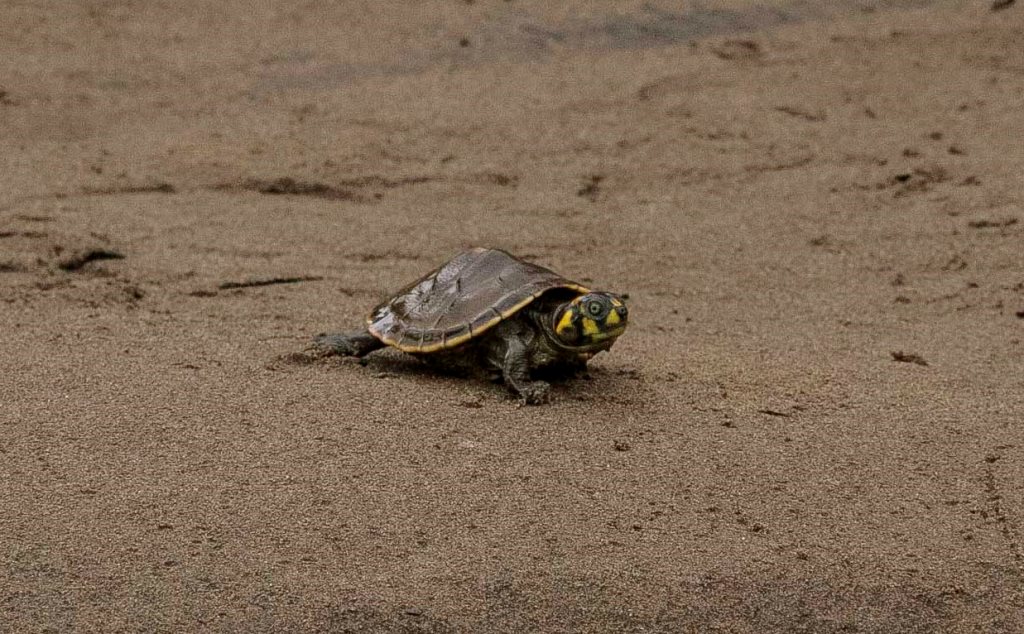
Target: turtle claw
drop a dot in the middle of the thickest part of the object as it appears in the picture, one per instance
(534, 393)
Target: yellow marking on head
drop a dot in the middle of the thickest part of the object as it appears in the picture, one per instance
(616, 303)
(565, 323)
(612, 319)
(590, 327)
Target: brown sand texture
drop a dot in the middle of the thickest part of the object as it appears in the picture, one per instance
(815, 422)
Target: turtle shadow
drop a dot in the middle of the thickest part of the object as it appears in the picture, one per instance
(596, 385)
(382, 361)
(569, 383)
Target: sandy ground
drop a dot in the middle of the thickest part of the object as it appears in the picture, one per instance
(793, 210)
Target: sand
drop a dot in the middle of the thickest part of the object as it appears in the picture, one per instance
(814, 422)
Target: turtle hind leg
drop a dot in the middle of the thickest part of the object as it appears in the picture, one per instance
(346, 344)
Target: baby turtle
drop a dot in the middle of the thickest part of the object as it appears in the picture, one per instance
(485, 311)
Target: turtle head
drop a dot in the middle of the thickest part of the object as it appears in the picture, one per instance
(592, 320)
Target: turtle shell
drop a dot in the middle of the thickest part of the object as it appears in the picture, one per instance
(462, 299)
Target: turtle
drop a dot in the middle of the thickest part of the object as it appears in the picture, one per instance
(486, 312)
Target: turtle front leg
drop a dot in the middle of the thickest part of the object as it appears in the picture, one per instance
(350, 344)
(516, 371)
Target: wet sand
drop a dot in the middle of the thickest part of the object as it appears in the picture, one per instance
(814, 422)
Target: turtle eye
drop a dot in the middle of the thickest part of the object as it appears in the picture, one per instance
(595, 308)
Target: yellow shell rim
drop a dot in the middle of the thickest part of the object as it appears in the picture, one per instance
(473, 332)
